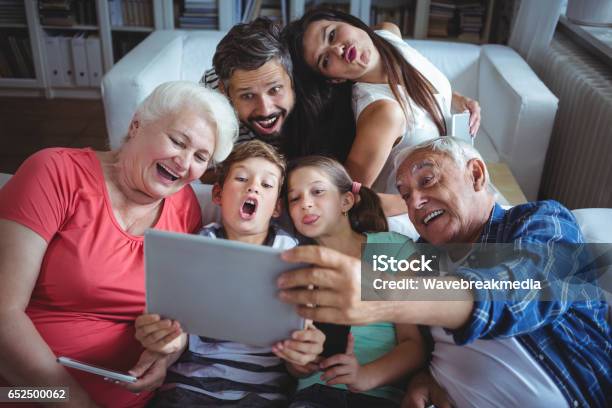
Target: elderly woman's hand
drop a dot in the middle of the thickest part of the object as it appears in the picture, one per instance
(160, 335)
(150, 370)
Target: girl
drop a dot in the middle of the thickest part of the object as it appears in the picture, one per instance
(328, 207)
(398, 97)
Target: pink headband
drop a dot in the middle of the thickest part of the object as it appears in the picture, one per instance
(356, 187)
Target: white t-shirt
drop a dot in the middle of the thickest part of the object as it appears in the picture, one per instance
(421, 126)
(490, 373)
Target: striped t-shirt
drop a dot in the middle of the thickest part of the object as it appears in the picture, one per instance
(211, 81)
(227, 370)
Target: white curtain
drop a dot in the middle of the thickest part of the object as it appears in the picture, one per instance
(534, 26)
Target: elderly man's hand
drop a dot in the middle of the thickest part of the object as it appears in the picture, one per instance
(424, 391)
(336, 279)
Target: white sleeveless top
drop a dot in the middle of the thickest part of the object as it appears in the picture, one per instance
(421, 126)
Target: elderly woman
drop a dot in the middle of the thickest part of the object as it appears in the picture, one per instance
(71, 242)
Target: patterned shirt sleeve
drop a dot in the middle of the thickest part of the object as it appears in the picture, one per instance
(548, 241)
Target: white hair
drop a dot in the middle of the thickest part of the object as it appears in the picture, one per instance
(457, 150)
(170, 97)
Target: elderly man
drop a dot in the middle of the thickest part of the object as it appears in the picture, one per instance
(518, 352)
(253, 68)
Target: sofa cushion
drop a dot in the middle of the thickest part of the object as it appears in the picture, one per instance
(458, 61)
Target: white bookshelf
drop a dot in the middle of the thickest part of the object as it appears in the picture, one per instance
(41, 84)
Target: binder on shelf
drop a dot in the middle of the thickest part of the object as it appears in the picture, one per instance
(65, 58)
(54, 67)
(116, 12)
(79, 58)
(94, 60)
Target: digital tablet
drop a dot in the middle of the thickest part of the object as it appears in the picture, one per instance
(101, 371)
(218, 288)
(460, 127)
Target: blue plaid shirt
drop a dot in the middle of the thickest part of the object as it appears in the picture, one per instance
(571, 340)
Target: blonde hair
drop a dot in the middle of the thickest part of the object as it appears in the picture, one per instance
(170, 97)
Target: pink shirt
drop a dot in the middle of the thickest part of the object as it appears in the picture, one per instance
(91, 283)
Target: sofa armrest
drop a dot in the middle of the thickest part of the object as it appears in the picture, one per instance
(518, 112)
(155, 60)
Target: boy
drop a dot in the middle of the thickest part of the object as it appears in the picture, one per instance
(222, 373)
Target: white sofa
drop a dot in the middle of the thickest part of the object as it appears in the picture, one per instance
(518, 110)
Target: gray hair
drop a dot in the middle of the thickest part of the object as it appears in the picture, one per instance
(170, 97)
(457, 150)
(248, 46)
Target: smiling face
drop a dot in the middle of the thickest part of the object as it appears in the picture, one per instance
(262, 97)
(315, 204)
(249, 198)
(338, 50)
(164, 155)
(443, 200)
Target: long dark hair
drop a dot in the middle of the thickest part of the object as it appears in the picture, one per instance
(367, 214)
(315, 97)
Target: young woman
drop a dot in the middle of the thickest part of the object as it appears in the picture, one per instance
(328, 207)
(398, 97)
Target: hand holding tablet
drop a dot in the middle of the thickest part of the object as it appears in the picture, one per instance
(218, 288)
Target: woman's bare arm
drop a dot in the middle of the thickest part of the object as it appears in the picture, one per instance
(25, 358)
(378, 127)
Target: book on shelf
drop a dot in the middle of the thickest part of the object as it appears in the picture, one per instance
(12, 12)
(441, 18)
(200, 14)
(461, 18)
(131, 13)
(16, 55)
(471, 20)
(67, 13)
(402, 16)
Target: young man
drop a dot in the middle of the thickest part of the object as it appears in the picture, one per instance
(253, 69)
(213, 372)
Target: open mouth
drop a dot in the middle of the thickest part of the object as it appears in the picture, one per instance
(432, 216)
(166, 173)
(248, 209)
(267, 124)
(310, 219)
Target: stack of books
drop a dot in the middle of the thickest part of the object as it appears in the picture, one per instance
(441, 16)
(402, 16)
(12, 12)
(275, 10)
(57, 13)
(137, 13)
(471, 14)
(200, 14)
